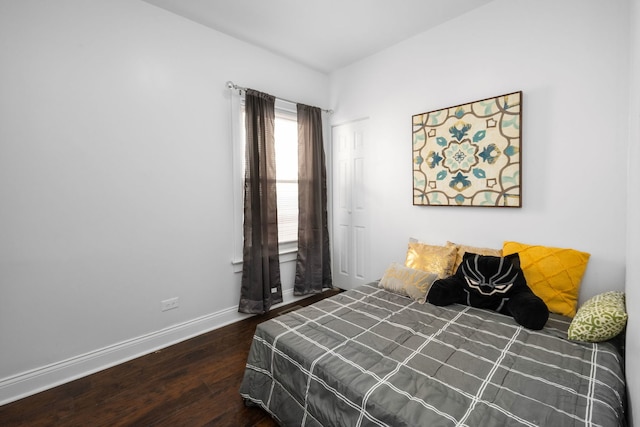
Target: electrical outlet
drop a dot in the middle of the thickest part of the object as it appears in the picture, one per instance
(169, 304)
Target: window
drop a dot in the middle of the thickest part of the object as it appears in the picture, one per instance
(286, 146)
(286, 134)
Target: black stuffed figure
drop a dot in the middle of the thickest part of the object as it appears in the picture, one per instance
(495, 283)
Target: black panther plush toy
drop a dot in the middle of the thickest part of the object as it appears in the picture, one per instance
(495, 283)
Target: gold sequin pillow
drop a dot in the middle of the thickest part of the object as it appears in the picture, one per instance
(600, 318)
(553, 274)
(462, 249)
(407, 282)
(430, 258)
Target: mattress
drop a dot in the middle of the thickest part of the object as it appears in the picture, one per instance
(369, 357)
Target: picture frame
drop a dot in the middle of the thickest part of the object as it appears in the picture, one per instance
(469, 154)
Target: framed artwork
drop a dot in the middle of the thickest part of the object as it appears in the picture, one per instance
(469, 154)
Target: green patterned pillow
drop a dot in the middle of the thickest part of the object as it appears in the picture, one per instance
(407, 281)
(600, 318)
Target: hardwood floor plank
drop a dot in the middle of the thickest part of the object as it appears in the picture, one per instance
(192, 383)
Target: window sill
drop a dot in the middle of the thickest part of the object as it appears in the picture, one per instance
(286, 255)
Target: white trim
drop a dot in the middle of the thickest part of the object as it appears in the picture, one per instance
(286, 255)
(45, 377)
(237, 132)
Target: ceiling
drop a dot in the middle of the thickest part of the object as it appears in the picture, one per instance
(325, 35)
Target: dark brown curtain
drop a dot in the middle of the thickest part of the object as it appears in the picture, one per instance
(261, 286)
(313, 266)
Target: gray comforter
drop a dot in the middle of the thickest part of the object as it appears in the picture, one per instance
(371, 357)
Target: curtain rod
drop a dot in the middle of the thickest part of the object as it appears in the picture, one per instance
(232, 85)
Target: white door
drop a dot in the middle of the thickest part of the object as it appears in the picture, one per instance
(350, 205)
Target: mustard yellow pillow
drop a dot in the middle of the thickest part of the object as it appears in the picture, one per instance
(407, 281)
(430, 258)
(462, 249)
(553, 274)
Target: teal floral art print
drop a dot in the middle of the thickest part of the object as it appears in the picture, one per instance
(469, 155)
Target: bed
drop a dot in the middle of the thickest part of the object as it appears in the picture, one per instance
(368, 356)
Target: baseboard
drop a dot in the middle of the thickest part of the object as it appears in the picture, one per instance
(43, 378)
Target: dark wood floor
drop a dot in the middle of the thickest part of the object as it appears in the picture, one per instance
(193, 383)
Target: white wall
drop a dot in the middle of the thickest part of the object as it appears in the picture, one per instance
(633, 213)
(570, 60)
(115, 181)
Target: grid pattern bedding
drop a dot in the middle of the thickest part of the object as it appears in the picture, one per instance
(371, 357)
